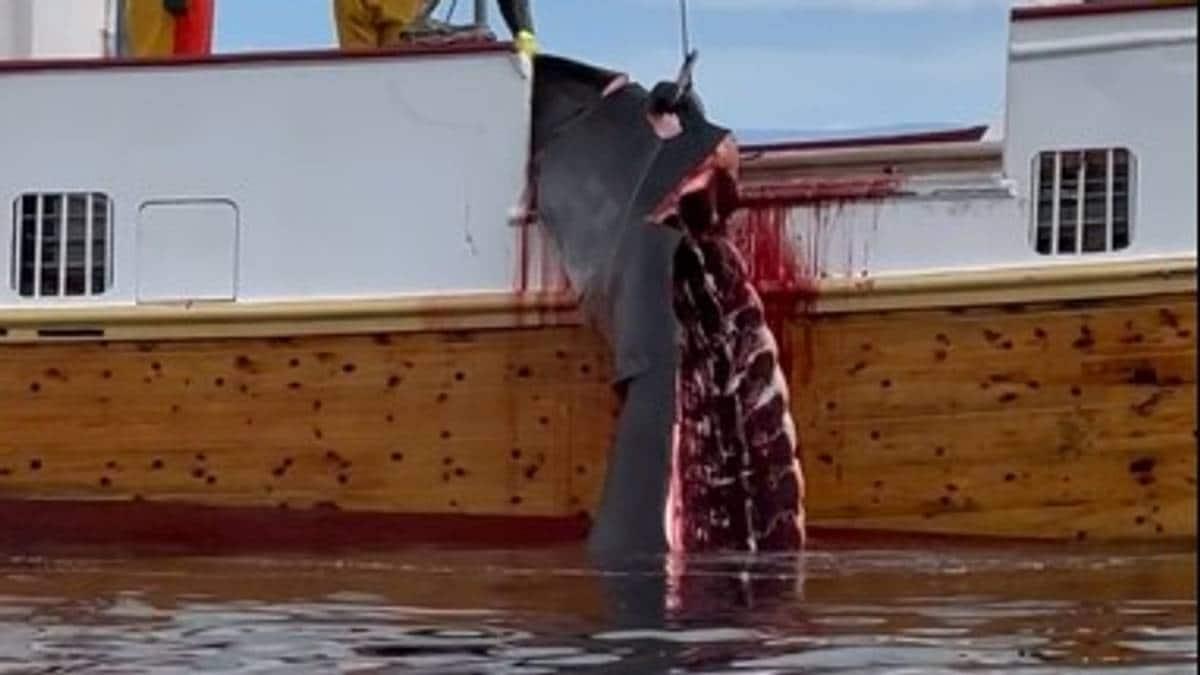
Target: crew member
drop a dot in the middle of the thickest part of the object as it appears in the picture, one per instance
(370, 24)
(163, 28)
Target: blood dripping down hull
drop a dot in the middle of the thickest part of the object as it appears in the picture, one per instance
(736, 482)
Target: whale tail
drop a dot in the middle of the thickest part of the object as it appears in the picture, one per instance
(636, 189)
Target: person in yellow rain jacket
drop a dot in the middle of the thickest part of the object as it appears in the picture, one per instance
(370, 24)
(163, 28)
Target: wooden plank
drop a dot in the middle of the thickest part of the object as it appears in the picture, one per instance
(428, 422)
(964, 392)
(995, 435)
(594, 411)
(944, 363)
(420, 313)
(467, 413)
(438, 422)
(1100, 281)
(955, 483)
(459, 477)
(990, 419)
(930, 338)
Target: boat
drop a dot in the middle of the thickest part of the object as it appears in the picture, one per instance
(240, 312)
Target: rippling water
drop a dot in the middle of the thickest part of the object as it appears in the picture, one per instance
(457, 612)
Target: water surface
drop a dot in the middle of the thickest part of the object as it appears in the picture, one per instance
(934, 609)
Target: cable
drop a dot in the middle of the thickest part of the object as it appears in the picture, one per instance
(684, 80)
(684, 30)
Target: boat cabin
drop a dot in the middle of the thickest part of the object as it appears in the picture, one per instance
(1093, 162)
(248, 178)
(262, 177)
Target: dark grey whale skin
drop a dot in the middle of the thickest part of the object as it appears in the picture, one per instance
(598, 171)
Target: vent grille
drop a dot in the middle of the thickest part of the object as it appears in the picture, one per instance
(62, 244)
(1083, 201)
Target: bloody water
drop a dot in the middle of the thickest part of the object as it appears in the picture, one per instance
(918, 609)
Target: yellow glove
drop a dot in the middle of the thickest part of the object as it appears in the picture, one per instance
(526, 43)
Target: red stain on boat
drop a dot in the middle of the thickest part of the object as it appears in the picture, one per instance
(785, 266)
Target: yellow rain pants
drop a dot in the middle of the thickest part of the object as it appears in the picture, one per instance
(150, 29)
(370, 24)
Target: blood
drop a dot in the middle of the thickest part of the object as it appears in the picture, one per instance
(819, 191)
(539, 266)
(786, 285)
(786, 269)
(767, 240)
(522, 281)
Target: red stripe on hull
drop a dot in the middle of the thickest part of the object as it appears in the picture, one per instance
(1093, 8)
(809, 191)
(971, 134)
(254, 58)
(66, 527)
(195, 529)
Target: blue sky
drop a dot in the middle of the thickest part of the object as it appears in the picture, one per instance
(811, 65)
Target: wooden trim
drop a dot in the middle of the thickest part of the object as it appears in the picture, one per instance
(202, 320)
(255, 58)
(167, 527)
(816, 190)
(963, 135)
(794, 177)
(1004, 286)
(1094, 8)
(507, 310)
(1100, 43)
(753, 160)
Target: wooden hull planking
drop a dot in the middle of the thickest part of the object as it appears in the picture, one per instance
(1068, 420)
(1059, 420)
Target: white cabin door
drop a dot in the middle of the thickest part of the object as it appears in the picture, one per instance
(187, 251)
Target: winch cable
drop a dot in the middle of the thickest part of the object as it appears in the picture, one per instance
(684, 31)
(684, 79)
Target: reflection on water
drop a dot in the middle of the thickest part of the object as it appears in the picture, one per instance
(452, 612)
